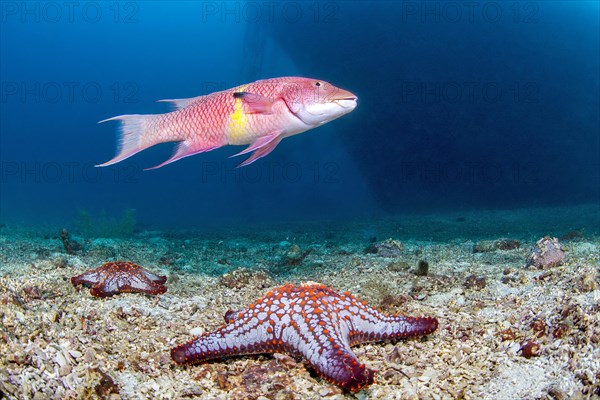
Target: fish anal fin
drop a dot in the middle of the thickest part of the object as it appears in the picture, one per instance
(260, 142)
(254, 103)
(262, 151)
(184, 149)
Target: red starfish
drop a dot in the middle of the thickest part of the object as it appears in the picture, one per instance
(311, 321)
(118, 277)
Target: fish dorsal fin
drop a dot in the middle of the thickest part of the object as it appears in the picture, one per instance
(178, 104)
(255, 103)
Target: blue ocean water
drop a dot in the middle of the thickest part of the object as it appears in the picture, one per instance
(462, 106)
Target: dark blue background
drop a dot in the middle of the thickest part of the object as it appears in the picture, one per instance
(495, 105)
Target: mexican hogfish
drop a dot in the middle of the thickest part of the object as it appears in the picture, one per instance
(258, 114)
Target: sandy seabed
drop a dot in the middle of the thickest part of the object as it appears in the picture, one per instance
(58, 342)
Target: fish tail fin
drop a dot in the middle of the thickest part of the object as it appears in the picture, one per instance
(136, 133)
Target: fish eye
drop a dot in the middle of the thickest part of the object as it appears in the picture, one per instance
(317, 83)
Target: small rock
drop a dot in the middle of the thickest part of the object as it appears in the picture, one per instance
(557, 393)
(486, 246)
(390, 301)
(242, 277)
(32, 292)
(587, 282)
(64, 370)
(507, 334)
(547, 253)
(422, 268)
(371, 249)
(106, 386)
(388, 248)
(398, 266)
(560, 331)
(60, 360)
(17, 357)
(166, 260)
(172, 277)
(90, 355)
(539, 327)
(222, 380)
(530, 349)
(475, 282)
(60, 262)
(585, 248)
(70, 245)
(571, 235)
(293, 253)
(196, 331)
(429, 375)
(193, 392)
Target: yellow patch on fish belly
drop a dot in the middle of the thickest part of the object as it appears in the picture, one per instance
(238, 122)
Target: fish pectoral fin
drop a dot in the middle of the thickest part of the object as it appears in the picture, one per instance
(258, 143)
(254, 103)
(178, 104)
(262, 151)
(184, 149)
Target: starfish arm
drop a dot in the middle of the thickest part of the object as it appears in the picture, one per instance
(100, 290)
(368, 324)
(158, 279)
(88, 278)
(373, 326)
(229, 340)
(327, 349)
(133, 282)
(342, 368)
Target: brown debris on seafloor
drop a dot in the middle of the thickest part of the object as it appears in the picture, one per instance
(475, 282)
(547, 253)
(294, 255)
(243, 277)
(71, 246)
(588, 279)
(398, 266)
(389, 248)
(389, 302)
(106, 386)
(529, 349)
(539, 327)
(571, 236)
(422, 268)
(507, 334)
(486, 246)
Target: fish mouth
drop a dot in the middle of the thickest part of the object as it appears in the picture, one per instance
(351, 97)
(344, 99)
(346, 102)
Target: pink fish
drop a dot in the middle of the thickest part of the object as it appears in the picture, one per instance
(258, 114)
